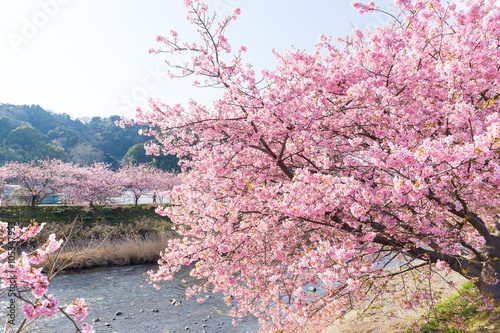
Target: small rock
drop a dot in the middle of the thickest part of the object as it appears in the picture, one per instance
(118, 313)
(107, 325)
(155, 310)
(113, 318)
(186, 328)
(141, 310)
(203, 325)
(96, 320)
(129, 317)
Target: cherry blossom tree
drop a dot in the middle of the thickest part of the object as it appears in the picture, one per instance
(24, 283)
(140, 179)
(37, 179)
(3, 185)
(93, 184)
(381, 148)
(164, 183)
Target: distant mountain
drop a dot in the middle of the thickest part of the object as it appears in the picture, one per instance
(28, 132)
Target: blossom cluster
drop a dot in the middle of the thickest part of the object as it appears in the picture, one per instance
(332, 165)
(22, 275)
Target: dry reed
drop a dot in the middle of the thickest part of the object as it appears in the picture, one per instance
(131, 249)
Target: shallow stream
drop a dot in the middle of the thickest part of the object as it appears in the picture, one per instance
(109, 290)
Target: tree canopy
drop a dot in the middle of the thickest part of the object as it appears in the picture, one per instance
(380, 148)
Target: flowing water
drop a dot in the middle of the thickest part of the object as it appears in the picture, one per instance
(109, 290)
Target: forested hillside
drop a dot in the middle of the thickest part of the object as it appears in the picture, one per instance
(28, 132)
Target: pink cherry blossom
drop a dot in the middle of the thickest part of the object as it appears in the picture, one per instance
(327, 167)
(78, 308)
(20, 277)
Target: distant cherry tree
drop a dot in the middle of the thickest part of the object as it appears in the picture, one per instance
(37, 179)
(94, 184)
(140, 179)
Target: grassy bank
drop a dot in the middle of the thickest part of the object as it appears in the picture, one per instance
(110, 215)
(114, 235)
(459, 305)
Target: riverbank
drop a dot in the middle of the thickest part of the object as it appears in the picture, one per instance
(112, 215)
(129, 250)
(390, 318)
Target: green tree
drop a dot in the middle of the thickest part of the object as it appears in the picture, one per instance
(137, 155)
(28, 145)
(26, 137)
(6, 126)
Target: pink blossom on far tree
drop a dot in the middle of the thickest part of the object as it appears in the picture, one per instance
(37, 180)
(139, 179)
(382, 146)
(94, 184)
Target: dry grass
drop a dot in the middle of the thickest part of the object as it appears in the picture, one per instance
(132, 249)
(104, 245)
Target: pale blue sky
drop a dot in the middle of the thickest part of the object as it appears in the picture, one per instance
(90, 57)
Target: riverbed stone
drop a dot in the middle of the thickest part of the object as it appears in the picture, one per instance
(155, 310)
(107, 325)
(118, 313)
(96, 320)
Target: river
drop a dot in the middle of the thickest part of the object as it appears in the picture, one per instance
(109, 290)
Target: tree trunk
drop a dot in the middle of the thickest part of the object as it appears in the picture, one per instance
(33, 201)
(491, 273)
